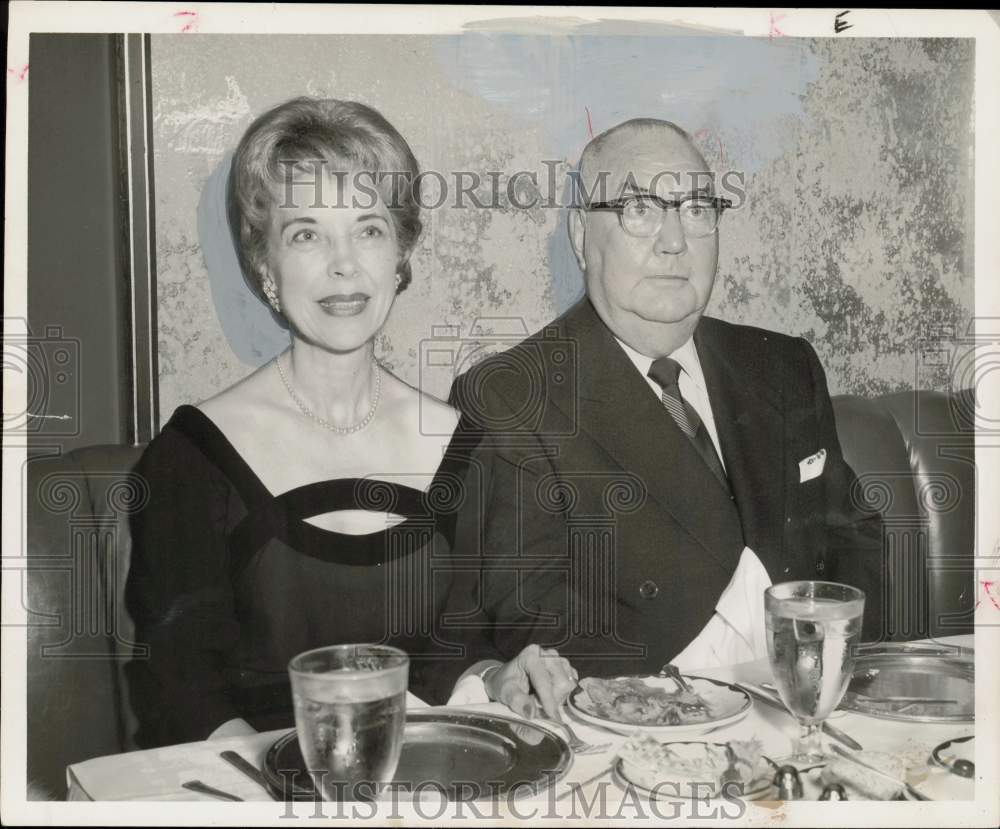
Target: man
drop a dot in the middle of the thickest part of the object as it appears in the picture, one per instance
(631, 498)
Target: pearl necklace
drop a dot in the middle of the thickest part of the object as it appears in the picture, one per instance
(326, 424)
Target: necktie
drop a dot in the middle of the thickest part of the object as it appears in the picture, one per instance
(665, 372)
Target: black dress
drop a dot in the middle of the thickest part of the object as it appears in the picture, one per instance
(228, 582)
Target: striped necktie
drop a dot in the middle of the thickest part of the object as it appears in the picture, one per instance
(665, 372)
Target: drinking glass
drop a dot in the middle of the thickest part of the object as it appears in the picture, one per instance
(350, 713)
(813, 630)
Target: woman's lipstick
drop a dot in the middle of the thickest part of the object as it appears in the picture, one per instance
(344, 305)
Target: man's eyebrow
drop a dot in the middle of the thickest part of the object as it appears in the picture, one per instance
(638, 191)
(690, 194)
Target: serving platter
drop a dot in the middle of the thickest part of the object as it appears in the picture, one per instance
(914, 675)
(462, 755)
(727, 703)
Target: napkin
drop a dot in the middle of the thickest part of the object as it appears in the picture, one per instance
(735, 633)
(469, 690)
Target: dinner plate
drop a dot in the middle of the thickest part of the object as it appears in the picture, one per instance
(665, 787)
(914, 675)
(728, 704)
(466, 755)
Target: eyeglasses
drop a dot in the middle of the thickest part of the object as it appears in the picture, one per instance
(644, 215)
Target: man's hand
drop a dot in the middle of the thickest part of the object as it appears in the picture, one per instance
(536, 675)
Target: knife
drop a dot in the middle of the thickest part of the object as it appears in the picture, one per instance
(767, 699)
(249, 769)
(916, 649)
(202, 788)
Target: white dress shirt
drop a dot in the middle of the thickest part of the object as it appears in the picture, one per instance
(691, 382)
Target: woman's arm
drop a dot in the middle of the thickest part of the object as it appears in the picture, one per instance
(180, 596)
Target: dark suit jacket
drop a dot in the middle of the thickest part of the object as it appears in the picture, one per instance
(605, 534)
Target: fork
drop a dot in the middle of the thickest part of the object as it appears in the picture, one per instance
(578, 746)
(671, 672)
(730, 775)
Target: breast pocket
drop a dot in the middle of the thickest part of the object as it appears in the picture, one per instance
(809, 495)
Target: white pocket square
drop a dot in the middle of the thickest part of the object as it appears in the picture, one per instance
(812, 467)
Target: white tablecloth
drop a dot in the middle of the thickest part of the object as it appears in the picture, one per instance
(157, 774)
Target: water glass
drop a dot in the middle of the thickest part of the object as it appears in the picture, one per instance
(350, 713)
(813, 630)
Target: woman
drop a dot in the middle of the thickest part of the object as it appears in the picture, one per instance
(307, 504)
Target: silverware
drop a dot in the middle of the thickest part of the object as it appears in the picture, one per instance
(240, 762)
(898, 700)
(669, 671)
(924, 649)
(673, 673)
(577, 745)
(767, 686)
(730, 775)
(202, 788)
(762, 696)
(859, 762)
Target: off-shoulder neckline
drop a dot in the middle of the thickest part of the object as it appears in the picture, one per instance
(299, 502)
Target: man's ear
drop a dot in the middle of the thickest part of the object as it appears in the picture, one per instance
(577, 234)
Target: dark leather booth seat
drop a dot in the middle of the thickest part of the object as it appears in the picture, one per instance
(78, 633)
(913, 454)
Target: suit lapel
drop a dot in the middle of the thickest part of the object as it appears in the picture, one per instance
(749, 419)
(621, 414)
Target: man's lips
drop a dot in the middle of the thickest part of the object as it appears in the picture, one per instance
(344, 305)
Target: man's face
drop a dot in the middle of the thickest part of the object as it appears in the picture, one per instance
(666, 278)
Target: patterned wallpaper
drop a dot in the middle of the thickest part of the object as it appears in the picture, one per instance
(856, 156)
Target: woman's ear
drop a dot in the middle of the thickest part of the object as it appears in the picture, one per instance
(577, 236)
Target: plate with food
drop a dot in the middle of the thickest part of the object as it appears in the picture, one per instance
(654, 704)
(694, 770)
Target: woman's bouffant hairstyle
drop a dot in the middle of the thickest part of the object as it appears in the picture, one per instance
(343, 135)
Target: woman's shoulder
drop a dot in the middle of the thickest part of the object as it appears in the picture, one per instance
(417, 413)
(198, 437)
(182, 451)
(231, 404)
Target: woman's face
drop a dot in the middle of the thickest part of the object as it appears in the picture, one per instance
(332, 253)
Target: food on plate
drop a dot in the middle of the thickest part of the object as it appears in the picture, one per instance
(630, 700)
(860, 783)
(691, 768)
